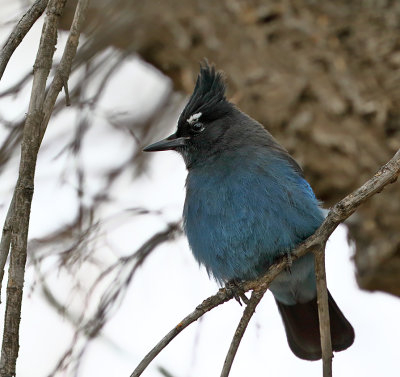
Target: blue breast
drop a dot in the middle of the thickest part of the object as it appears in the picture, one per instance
(244, 209)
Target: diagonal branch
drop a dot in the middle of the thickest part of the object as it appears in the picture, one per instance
(210, 303)
(19, 32)
(388, 173)
(241, 328)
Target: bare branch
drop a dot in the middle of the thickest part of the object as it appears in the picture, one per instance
(35, 126)
(323, 312)
(19, 32)
(24, 190)
(6, 240)
(242, 326)
(210, 303)
(339, 212)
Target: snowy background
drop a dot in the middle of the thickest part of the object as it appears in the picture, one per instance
(170, 284)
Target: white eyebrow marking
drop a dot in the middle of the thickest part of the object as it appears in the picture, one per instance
(193, 118)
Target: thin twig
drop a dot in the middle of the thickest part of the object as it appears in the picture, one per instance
(323, 312)
(19, 32)
(339, 212)
(241, 328)
(24, 190)
(210, 303)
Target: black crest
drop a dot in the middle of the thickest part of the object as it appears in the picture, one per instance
(208, 97)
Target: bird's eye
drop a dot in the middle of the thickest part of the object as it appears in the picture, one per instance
(197, 127)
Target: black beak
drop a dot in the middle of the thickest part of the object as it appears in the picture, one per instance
(171, 142)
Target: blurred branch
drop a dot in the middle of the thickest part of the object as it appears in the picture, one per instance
(164, 372)
(11, 142)
(387, 174)
(19, 32)
(17, 86)
(123, 271)
(139, 256)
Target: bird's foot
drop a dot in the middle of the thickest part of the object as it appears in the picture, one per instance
(289, 260)
(236, 287)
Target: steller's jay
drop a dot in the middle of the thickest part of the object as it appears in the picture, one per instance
(247, 203)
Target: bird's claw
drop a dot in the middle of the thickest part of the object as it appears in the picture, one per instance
(236, 287)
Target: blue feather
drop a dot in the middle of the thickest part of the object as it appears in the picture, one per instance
(248, 209)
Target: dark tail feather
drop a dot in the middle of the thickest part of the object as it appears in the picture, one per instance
(302, 328)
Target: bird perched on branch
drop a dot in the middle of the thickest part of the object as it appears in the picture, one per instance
(247, 203)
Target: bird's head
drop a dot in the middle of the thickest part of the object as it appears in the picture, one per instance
(204, 122)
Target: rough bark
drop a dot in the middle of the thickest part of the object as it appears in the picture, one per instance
(323, 77)
(40, 107)
(21, 205)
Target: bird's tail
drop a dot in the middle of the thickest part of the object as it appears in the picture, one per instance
(302, 328)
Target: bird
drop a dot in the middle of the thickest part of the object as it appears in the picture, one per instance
(247, 204)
